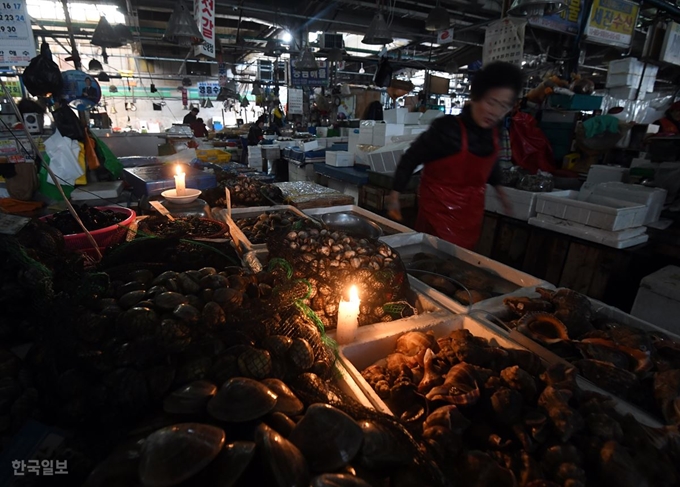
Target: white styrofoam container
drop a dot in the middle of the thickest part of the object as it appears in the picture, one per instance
(384, 161)
(626, 93)
(389, 227)
(99, 190)
(626, 65)
(353, 141)
(599, 173)
(631, 80)
(523, 202)
(339, 158)
(383, 133)
(622, 239)
(300, 172)
(409, 244)
(412, 118)
(596, 211)
(652, 198)
(366, 135)
(307, 146)
(376, 342)
(414, 129)
(395, 115)
(658, 299)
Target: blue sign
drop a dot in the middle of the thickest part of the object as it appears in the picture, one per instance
(319, 77)
(566, 21)
(81, 90)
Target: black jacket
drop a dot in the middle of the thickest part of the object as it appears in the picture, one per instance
(443, 139)
(189, 118)
(254, 135)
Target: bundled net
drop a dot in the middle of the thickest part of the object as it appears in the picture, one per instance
(332, 262)
(244, 191)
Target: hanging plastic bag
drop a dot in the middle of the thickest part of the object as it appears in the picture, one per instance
(42, 76)
(531, 149)
(383, 76)
(47, 187)
(68, 123)
(64, 154)
(107, 158)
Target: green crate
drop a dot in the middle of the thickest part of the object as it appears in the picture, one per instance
(576, 102)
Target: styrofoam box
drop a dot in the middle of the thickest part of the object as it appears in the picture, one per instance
(631, 65)
(376, 342)
(353, 140)
(366, 134)
(395, 115)
(383, 222)
(307, 146)
(621, 239)
(596, 211)
(652, 198)
(523, 202)
(627, 93)
(383, 132)
(658, 299)
(599, 173)
(408, 244)
(339, 158)
(412, 118)
(632, 80)
(384, 161)
(254, 150)
(414, 129)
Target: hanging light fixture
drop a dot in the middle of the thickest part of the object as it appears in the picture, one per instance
(94, 66)
(103, 77)
(536, 8)
(335, 55)
(202, 103)
(378, 33)
(361, 69)
(182, 28)
(273, 48)
(104, 36)
(438, 19)
(152, 88)
(307, 61)
(186, 81)
(113, 89)
(208, 104)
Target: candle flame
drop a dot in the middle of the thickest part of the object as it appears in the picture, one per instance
(178, 170)
(353, 294)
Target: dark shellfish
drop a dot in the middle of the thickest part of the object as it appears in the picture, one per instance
(175, 453)
(609, 377)
(338, 480)
(255, 362)
(328, 437)
(284, 463)
(241, 399)
(543, 327)
(287, 402)
(190, 399)
(460, 386)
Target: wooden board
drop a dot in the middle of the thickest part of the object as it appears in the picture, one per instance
(485, 244)
(545, 255)
(511, 243)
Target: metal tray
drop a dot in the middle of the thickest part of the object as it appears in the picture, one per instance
(376, 342)
(409, 244)
(389, 227)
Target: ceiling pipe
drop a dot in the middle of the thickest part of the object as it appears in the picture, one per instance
(662, 5)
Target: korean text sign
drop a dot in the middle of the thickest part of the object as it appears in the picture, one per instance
(612, 22)
(204, 13)
(319, 77)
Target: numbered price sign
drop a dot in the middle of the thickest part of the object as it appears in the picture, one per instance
(17, 46)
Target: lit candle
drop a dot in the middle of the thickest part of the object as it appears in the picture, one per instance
(180, 183)
(348, 318)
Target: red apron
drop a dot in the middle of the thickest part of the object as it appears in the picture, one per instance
(451, 196)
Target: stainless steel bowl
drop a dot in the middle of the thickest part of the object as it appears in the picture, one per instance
(352, 224)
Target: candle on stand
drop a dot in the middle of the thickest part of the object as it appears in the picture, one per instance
(348, 318)
(180, 182)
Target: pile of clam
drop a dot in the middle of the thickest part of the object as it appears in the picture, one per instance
(249, 432)
(496, 417)
(244, 191)
(334, 261)
(636, 365)
(114, 360)
(257, 228)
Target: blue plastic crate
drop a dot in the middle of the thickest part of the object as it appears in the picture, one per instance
(576, 102)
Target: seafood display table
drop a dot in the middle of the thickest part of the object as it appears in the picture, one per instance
(603, 273)
(305, 195)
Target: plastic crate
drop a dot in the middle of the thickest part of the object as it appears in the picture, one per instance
(576, 102)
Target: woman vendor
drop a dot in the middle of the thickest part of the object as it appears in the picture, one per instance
(460, 157)
(670, 124)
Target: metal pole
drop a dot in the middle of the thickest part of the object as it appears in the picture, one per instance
(69, 28)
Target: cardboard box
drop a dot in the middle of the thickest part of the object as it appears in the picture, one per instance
(339, 158)
(383, 133)
(395, 115)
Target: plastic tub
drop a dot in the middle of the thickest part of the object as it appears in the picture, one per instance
(104, 237)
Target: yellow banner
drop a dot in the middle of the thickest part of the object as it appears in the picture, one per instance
(612, 21)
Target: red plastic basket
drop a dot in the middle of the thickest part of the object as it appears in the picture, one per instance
(104, 236)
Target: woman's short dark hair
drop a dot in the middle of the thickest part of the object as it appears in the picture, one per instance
(496, 75)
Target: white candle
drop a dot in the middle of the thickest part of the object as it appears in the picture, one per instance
(180, 182)
(348, 318)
